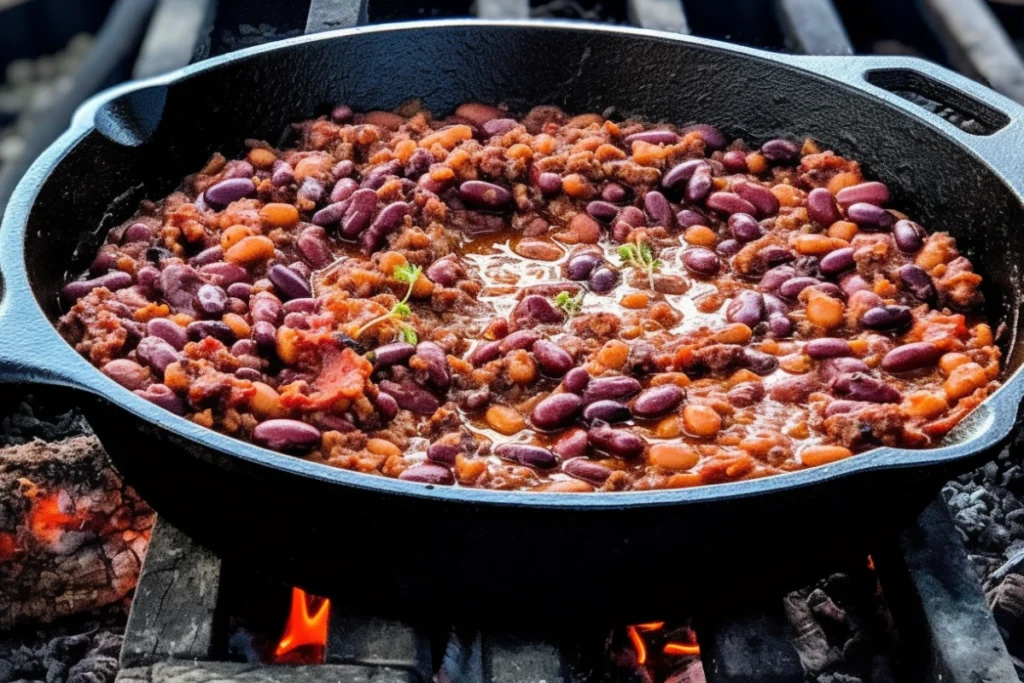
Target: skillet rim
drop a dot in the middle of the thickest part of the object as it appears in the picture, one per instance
(993, 419)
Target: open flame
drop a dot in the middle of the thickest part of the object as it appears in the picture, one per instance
(306, 627)
(670, 648)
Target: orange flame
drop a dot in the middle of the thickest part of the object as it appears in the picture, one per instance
(681, 649)
(638, 644)
(303, 627)
(650, 626)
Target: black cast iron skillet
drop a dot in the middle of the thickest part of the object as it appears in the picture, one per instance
(395, 544)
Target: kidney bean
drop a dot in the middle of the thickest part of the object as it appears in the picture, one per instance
(342, 113)
(138, 232)
(264, 306)
(794, 389)
(342, 190)
(212, 299)
(525, 454)
(615, 441)
(485, 353)
(549, 183)
(580, 266)
(851, 283)
(698, 186)
(224, 274)
(657, 401)
(520, 339)
(886, 317)
(858, 386)
(436, 368)
(700, 260)
(201, 329)
(713, 138)
(603, 279)
(658, 209)
(444, 271)
(391, 354)
(113, 281)
(911, 357)
(554, 361)
(359, 212)
(607, 388)
(918, 281)
(411, 397)
(487, 195)
(428, 473)
(343, 169)
(837, 261)
(735, 161)
(576, 380)
(533, 310)
(443, 453)
(572, 444)
(869, 193)
(147, 279)
(163, 396)
(290, 284)
(909, 236)
(831, 368)
(790, 289)
(633, 216)
(870, 217)
(780, 151)
(168, 330)
(690, 217)
(827, 347)
(179, 285)
(387, 221)
(283, 174)
(607, 411)
(774, 278)
(779, 326)
(728, 248)
(654, 137)
(230, 190)
(744, 227)
(240, 290)
(773, 305)
(602, 211)
(747, 308)
(127, 373)
(821, 207)
(614, 193)
(244, 347)
(758, 195)
(745, 394)
(286, 435)
(730, 203)
(386, 405)
(304, 305)
(498, 126)
(156, 353)
(843, 406)
(681, 173)
(759, 362)
(251, 374)
(774, 254)
(556, 411)
(377, 176)
(332, 213)
(587, 470)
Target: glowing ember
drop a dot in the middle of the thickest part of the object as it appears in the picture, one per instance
(638, 645)
(684, 645)
(48, 522)
(650, 626)
(680, 649)
(306, 627)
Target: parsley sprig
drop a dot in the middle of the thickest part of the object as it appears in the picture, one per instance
(640, 257)
(408, 275)
(570, 305)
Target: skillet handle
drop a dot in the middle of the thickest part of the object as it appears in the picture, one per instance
(330, 15)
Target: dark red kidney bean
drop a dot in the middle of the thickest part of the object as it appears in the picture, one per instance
(654, 137)
(838, 261)
(303, 305)
(525, 454)
(828, 347)
(702, 261)
(830, 288)
(436, 364)
(790, 289)
(147, 279)
(201, 329)
(759, 362)
(621, 231)
(774, 278)
(615, 441)
(230, 190)
(240, 290)
(224, 274)
(386, 405)
(780, 326)
(444, 271)
(657, 401)
(870, 217)
(909, 236)
(911, 357)
(780, 151)
(774, 305)
(428, 473)
(713, 138)
(745, 394)
(266, 307)
(607, 388)
(759, 196)
(520, 339)
(602, 211)
(443, 453)
(607, 411)
(858, 386)
(580, 266)
(344, 169)
(554, 361)
(587, 470)
(833, 367)
(482, 193)
(237, 306)
(498, 126)
(387, 221)
(918, 281)
(730, 203)
(391, 354)
(735, 161)
(549, 183)
(633, 216)
(418, 163)
(869, 193)
(698, 186)
(73, 291)
(156, 353)
(658, 209)
(747, 308)
(556, 411)
(843, 406)
(342, 113)
(212, 299)
(377, 176)
(614, 193)
(536, 309)
(794, 389)
(886, 317)
(681, 173)
(297, 321)
(603, 279)
(485, 353)
(331, 214)
(168, 330)
(286, 435)
(821, 207)
(138, 232)
(744, 227)
(342, 190)
(851, 283)
(163, 396)
(576, 380)
(411, 397)
(728, 248)
(251, 374)
(283, 174)
(572, 444)
(774, 254)
(689, 217)
(359, 213)
(244, 347)
(289, 283)
(207, 256)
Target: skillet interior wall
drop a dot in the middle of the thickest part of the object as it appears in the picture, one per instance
(151, 139)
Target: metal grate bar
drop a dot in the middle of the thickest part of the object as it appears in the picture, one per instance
(510, 658)
(659, 15)
(502, 9)
(328, 15)
(174, 35)
(371, 641)
(751, 647)
(813, 27)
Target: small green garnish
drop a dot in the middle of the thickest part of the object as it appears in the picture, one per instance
(641, 257)
(409, 275)
(570, 305)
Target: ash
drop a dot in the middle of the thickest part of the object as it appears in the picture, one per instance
(38, 418)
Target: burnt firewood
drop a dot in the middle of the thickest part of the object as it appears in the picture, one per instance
(72, 534)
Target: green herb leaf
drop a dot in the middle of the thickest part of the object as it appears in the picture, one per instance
(570, 305)
(628, 253)
(407, 274)
(401, 310)
(409, 335)
(646, 256)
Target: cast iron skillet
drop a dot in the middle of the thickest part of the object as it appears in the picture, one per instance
(395, 544)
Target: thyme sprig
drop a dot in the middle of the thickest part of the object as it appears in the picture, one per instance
(640, 257)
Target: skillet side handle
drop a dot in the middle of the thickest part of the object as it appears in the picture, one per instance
(330, 15)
